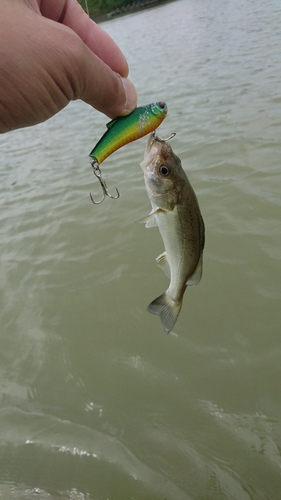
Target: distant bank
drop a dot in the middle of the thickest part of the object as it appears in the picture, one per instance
(99, 14)
(140, 4)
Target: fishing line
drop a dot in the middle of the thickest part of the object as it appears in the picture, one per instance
(92, 28)
(87, 7)
(94, 163)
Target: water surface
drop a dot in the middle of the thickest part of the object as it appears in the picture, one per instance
(96, 401)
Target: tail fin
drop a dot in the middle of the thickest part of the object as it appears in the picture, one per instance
(168, 310)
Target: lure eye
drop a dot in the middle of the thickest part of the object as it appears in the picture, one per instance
(161, 104)
(164, 170)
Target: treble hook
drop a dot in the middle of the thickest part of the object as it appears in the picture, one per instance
(156, 137)
(97, 172)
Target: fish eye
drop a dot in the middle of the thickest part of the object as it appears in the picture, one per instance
(161, 104)
(164, 170)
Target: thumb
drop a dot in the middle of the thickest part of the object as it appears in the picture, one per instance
(103, 88)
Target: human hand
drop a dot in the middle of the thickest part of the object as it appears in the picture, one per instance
(52, 53)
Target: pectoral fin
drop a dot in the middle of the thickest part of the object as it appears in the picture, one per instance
(197, 275)
(162, 262)
(150, 220)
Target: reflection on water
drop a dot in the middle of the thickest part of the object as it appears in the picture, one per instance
(96, 401)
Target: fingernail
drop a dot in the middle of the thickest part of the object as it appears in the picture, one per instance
(131, 96)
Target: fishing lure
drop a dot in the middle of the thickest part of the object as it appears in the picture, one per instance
(125, 129)
(121, 131)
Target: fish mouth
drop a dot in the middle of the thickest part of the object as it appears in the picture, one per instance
(155, 148)
(153, 145)
(154, 138)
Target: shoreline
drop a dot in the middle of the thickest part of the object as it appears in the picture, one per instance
(132, 7)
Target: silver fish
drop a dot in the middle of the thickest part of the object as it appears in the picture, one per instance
(176, 212)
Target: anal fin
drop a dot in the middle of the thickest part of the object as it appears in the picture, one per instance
(162, 262)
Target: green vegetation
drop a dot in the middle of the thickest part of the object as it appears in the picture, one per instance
(97, 7)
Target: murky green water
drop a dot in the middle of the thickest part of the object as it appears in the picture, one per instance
(97, 402)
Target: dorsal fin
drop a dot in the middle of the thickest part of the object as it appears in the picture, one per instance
(197, 275)
(110, 124)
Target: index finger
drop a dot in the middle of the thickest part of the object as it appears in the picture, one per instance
(71, 14)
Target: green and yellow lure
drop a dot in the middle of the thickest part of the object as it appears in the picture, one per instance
(125, 129)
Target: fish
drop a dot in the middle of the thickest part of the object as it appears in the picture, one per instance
(124, 129)
(176, 212)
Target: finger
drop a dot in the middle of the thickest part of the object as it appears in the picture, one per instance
(101, 87)
(70, 13)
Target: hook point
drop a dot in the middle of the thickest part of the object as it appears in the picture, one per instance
(97, 172)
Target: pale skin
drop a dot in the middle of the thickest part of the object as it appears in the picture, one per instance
(50, 54)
